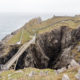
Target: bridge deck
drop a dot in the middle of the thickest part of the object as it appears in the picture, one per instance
(18, 54)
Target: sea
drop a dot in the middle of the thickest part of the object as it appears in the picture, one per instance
(10, 22)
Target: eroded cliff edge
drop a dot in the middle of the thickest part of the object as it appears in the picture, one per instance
(52, 50)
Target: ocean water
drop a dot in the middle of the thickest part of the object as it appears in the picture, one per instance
(10, 22)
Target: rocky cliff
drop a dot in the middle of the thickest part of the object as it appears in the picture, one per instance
(54, 48)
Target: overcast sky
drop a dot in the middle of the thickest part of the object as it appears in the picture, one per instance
(40, 6)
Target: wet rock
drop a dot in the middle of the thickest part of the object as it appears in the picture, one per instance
(65, 77)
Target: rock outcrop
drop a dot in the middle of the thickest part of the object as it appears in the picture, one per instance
(73, 64)
(65, 77)
(52, 49)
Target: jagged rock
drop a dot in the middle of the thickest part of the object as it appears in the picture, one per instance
(61, 70)
(65, 77)
(77, 76)
(73, 63)
(78, 49)
(51, 50)
(64, 58)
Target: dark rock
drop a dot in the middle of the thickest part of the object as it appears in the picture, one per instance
(52, 50)
(4, 58)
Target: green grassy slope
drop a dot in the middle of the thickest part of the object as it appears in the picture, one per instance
(30, 28)
(40, 74)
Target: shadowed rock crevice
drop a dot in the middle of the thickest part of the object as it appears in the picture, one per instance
(12, 52)
(52, 49)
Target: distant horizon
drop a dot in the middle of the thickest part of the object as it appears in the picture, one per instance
(29, 13)
(10, 22)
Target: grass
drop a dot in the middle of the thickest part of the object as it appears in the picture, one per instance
(16, 38)
(30, 28)
(32, 25)
(27, 32)
(24, 74)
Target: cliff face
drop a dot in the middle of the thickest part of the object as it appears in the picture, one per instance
(52, 49)
(56, 47)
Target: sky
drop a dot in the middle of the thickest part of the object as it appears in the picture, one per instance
(41, 6)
